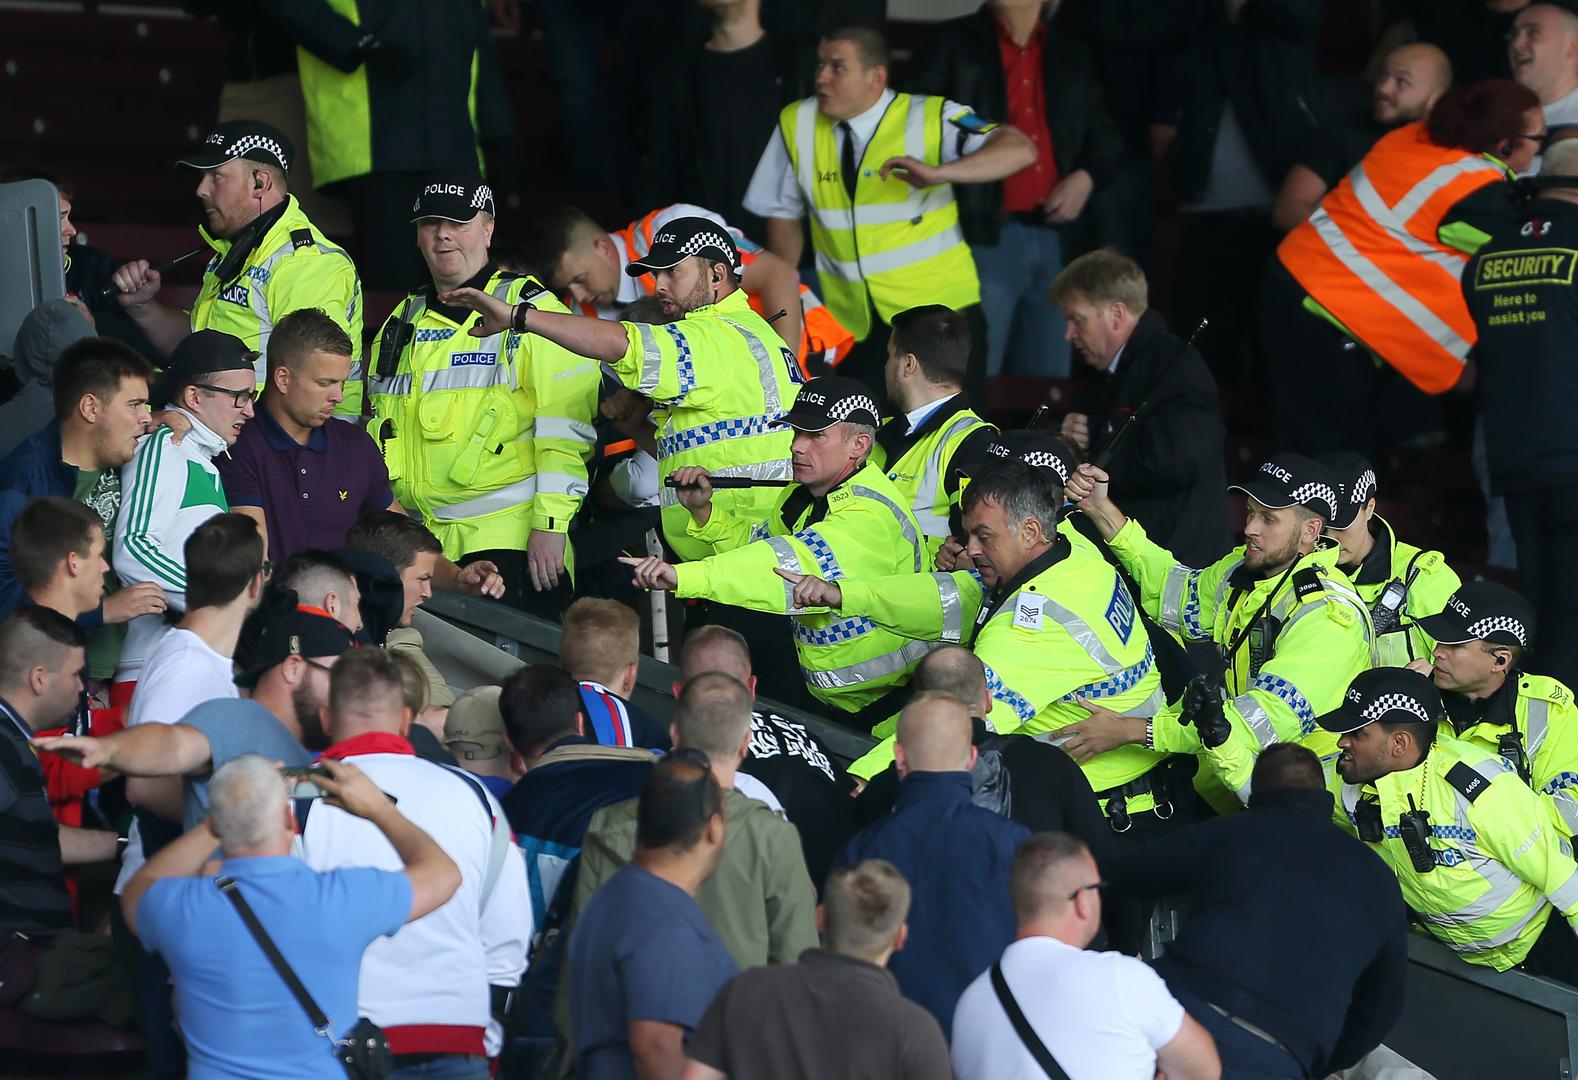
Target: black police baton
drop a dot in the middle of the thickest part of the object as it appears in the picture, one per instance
(724, 482)
(112, 291)
(1104, 459)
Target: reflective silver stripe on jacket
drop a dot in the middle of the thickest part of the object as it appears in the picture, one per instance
(898, 515)
(559, 427)
(764, 355)
(878, 667)
(931, 523)
(511, 495)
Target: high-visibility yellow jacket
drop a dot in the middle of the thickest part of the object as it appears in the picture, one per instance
(922, 463)
(1533, 725)
(720, 377)
(862, 529)
(488, 438)
(1499, 866)
(1294, 663)
(894, 246)
(1425, 582)
(292, 267)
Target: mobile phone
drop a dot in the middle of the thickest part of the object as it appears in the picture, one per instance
(302, 772)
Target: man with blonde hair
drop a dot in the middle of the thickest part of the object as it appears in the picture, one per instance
(1169, 466)
(600, 647)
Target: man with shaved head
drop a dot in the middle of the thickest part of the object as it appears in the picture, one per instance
(1543, 53)
(1410, 81)
(954, 854)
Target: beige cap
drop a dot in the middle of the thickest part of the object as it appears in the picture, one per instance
(474, 718)
(408, 640)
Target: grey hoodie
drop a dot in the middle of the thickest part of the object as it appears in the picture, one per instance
(45, 333)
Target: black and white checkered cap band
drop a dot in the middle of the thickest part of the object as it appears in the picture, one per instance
(1492, 623)
(840, 410)
(707, 240)
(1392, 703)
(482, 198)
(1313, 490)
(254, 142)
(1044, 459)
(1363, 488)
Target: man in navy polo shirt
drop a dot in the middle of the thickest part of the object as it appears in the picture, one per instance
(304, 479)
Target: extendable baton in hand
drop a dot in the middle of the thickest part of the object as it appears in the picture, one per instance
(1104, 459)
(723, 482)
(112, 291)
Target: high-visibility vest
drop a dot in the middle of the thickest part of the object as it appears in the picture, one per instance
(822, 338)
(922, 464)
(895, 247)
(292, 267)
(862, 530)
(487, 438)
(1499, 868)
(720, 378)
(1300, 638)
(1538, 737)
(1371, 254)
(1429, 583)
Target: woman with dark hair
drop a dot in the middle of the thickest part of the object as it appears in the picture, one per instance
(1375, 273)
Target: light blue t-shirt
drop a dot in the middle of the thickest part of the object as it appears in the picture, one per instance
(240, 1020)
(233, 727)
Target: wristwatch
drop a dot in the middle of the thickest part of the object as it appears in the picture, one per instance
(518, 317)
(1150, 734)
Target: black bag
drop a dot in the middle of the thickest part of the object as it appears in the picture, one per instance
(364, 1052)
(1022, 1028)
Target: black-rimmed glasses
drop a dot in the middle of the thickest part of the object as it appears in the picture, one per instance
(242, 398)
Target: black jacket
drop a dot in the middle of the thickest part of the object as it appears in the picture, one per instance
(1293, 925)
(961, 61)
(1264, 64)
(1168, 471)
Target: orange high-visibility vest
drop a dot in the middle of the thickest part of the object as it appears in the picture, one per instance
(821, 335)
(1370, 254)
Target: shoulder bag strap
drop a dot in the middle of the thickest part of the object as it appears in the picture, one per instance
(1022, 1028)
(320, 1023)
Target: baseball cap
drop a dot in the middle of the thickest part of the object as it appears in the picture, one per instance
(1356, 485)
(475, 718)
(1292, 480)
(829, 400)
(1483, 611)
(683, 237)
(201, 353)
(453, 198)
(250, 139)
(1396, 695)
(299, 631)
(1037, 449)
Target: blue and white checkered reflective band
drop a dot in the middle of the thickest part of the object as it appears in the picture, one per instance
(1290, 696)
(683, 362)
(834, 633)
(1119, 683)
(1014, 700)
(707, 434)
(822, 552)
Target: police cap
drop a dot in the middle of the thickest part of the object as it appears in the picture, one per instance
(250, 139)
(1395, 695)
(829, 400)
(683, 237)
(1483, 611)
(1292, 480)
(1356, 486)
(453, 198)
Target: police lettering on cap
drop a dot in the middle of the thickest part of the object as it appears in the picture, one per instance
(1037, 449)
(1483, 611)
(1393, 695)
(829, 400)
(1292, 480)
(203, 352)
(1355, 480)
(453, 198)
(250, 139)
(683, 237)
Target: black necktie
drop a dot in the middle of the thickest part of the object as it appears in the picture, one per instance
(846, 160)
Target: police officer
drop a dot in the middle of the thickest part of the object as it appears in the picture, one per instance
(842, 518)
(1469, 842)
(1290, 628)
(488, 440)
(1051, 621)
(935, 433)
(1398, 582)
(269, 260)
(873, 171)
(1483, 632)
(719, 377)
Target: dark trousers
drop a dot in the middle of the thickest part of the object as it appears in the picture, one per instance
(150, 980)
(1545, 529)
(1245, 1055)
(386, 254)
(1555, 952)
(518, 591)
(868, 357)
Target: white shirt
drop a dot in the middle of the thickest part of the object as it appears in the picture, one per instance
(181, 673)
(774, 190)
(1564, 110)
(917, 417)
(752, 788)
(1103, 1015)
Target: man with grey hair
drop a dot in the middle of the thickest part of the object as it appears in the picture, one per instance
(237, 1014)
(838, 1012)
(1065, 995)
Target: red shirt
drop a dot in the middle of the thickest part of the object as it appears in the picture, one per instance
(1027, 111)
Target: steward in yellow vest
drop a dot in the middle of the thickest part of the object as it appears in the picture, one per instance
(488, 440)
(268, 261)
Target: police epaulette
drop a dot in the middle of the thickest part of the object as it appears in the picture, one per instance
(531, 291)
(1470, 783)
(301, 238)
(1306, 583)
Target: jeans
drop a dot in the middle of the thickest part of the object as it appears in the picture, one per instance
(1245, 1055)
(1024, 332)
(447, 1067)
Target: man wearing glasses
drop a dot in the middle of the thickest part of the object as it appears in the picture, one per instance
(169, 488)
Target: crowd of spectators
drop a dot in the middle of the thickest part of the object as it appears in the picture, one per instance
(1032, 692)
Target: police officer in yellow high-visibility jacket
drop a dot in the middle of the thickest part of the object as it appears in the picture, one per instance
(1289, 626)
(1482, 633)
(874, 171)
(719, 377)
(1479, 862)
(934, 433)
(842, 518)
(487, 439)
(268, 261)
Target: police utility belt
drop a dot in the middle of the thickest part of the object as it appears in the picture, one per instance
(1155, 783)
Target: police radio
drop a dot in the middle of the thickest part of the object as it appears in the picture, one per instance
(1414, 828)
(397, 335)
(1510, 747)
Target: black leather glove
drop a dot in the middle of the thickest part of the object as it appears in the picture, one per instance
(1202, 707)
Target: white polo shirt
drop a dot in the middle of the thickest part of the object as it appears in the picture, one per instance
(1103, 1015)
